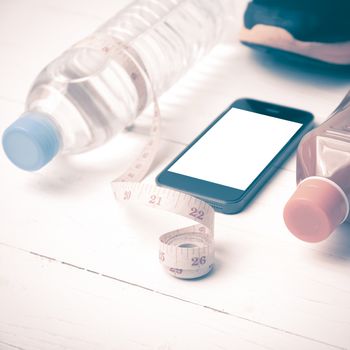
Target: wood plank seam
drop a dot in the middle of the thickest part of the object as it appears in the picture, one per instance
(40, 256)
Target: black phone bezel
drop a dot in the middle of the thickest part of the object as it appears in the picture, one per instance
(232, 200)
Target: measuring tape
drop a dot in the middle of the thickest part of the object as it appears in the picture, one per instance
(185, 253)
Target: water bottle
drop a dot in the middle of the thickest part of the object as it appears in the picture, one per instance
(85, 96)
(321, 200)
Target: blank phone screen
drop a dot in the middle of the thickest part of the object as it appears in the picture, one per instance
(236, 149)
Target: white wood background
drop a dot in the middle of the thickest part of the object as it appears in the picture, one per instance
(79, 271)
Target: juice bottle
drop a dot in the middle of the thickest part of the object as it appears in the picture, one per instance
(321, 200)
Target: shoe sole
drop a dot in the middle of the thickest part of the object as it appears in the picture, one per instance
(278, 38)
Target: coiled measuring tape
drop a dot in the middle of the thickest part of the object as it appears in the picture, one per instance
(185, 253)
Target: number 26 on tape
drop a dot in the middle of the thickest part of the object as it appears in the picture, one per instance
(199, 260)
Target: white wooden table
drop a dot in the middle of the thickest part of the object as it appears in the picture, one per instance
(78, 271)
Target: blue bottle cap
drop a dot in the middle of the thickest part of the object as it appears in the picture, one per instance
(31, 141)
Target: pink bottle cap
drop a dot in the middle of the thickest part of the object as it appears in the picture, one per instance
(315, 209)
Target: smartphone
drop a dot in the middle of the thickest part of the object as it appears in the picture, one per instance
(229, 162)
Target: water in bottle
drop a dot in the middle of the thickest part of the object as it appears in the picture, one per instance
(321, 200)
(101, 84)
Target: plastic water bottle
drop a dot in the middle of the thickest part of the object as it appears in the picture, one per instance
(85, 96)
(321, 200)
